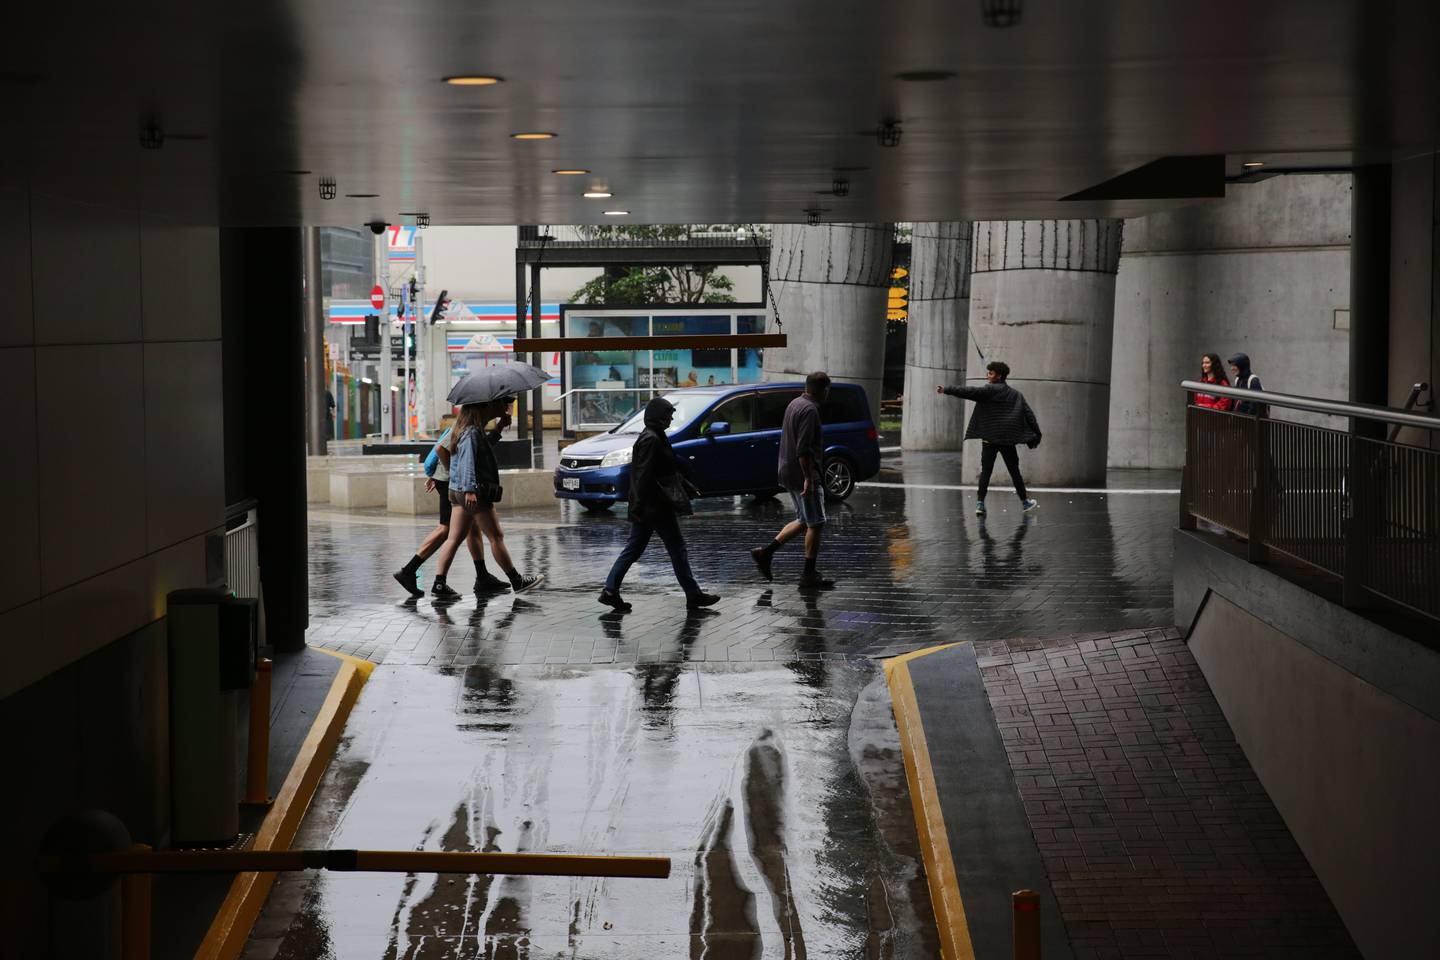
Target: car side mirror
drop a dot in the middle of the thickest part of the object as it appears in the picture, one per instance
(717, 429)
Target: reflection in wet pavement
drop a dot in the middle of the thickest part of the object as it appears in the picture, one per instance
(753, 744)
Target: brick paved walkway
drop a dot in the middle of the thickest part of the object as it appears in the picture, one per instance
(1158, 839)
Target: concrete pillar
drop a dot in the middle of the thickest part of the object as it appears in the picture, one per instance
(1042, 298)
(829, 282)
(1414, 335)
(1370, 292)
(937, 340)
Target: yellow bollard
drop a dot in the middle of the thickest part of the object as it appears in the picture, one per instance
(135, 912)
(1026, 904)
(257, 766)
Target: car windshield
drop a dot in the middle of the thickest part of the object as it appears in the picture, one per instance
(687, 406)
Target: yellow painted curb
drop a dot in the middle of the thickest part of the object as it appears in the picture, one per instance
(231, 926)
(929, 822)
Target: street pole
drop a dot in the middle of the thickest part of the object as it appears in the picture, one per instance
(387, 374)
(405, 324)
(422, 341)
(538, 399)
(316, 412)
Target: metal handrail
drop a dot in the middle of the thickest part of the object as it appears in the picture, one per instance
(1338, 408)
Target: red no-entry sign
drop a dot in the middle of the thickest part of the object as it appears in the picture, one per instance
(377, 297)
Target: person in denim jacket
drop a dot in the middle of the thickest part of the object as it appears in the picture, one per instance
(475, 489)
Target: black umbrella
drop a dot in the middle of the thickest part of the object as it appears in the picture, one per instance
(492, 383)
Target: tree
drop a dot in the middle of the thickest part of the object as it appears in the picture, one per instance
(691, 283)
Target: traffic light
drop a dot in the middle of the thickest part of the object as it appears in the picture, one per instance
(895, 308)
(437, 313)
(372, 328)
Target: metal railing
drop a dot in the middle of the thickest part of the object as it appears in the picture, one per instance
(1362, 509)
(242, 549)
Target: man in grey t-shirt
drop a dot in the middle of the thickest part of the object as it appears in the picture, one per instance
(801, 454)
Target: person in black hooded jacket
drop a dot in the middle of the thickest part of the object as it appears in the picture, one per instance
(654, 468)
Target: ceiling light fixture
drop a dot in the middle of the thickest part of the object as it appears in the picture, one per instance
(617, 213)
(925, 76)
(574, 172)
(812, 215)
(474, 80)
(888, 133)
(1000, 13)
(1253, 164)
(598, 194)
(152, 137)
(533, 135)
(840, 187)
(327, 188)
(422, 220)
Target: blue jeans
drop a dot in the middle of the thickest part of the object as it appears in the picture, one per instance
(640, 532)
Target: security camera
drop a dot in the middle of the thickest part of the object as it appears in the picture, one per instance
(378, 227)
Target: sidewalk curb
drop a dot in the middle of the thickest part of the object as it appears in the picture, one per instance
(944, 886)
(231, 927)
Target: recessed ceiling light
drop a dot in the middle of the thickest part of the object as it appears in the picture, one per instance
(474, 80)
(1253, 164)
(533, 135)
(925, 76)
(577, 172)
(617, 213)
(598, 194)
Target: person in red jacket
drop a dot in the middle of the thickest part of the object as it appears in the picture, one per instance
(1211, 371)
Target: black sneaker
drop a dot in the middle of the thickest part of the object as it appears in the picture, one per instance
(702, 599)
(489, 583)
(813, 581)
(443, 591)
(614, 600)
(762, 558)
(526, 582)
(406, 579)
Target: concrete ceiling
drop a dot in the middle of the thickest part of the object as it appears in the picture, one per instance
(703, 110)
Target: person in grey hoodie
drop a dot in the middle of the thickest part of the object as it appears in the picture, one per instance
(1001, 421)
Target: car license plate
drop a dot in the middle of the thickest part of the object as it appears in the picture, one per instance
(570, 483)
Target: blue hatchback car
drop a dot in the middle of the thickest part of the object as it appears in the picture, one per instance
(729, 436)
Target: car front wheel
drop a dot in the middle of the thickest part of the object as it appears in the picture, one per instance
(839, 478)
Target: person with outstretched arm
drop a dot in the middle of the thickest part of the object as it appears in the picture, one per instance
(1002, 420)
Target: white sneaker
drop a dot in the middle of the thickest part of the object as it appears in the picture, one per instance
(979, 508)
(1031, 505)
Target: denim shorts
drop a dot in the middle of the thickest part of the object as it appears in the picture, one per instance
(809, 510)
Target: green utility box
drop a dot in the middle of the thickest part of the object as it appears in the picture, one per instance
(212, 662)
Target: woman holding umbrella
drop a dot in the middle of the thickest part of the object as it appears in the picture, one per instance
(475, 474)
(475, 489)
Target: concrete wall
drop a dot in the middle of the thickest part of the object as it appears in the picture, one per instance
(829, 282)
(1265, 271)
(113, 481)
(1351, 768)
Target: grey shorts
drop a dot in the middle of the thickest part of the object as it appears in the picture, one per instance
(809, 510)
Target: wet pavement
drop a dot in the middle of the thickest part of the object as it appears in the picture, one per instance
(753, 744)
